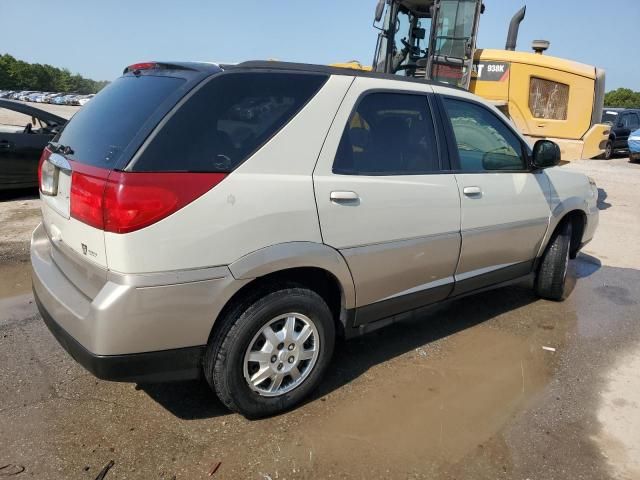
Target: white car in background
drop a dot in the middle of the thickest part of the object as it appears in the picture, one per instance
(82, 100)
(239, 218)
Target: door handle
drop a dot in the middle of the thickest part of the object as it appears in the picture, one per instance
(472, 191)
(344, 197)
(5, 145)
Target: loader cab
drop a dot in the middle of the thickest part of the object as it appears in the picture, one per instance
(432, 39)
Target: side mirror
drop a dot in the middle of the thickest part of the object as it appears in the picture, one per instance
(546, 154)
(379, 11)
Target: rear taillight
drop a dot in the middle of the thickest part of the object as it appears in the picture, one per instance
(136, 67)
(122, 202)
(136, 200)
(87, 194)
(46, 153)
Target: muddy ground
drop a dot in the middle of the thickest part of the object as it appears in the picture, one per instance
(498, 385)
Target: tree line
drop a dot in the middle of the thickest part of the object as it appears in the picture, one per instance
(622, 98)
(19, 75)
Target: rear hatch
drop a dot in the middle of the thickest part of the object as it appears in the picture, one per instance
(99, 141)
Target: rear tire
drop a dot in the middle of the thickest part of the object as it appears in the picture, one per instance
(245, 330)
(552, 273)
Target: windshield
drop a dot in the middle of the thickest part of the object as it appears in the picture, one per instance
(610, 117)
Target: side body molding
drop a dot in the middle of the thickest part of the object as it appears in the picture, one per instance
(296, 255)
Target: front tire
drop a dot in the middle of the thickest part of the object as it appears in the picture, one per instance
(608, 150)
(271, 352)
(552, 274)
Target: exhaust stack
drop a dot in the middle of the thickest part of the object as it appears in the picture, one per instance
(514, 26)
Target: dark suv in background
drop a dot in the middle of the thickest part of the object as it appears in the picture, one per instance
(623, 121)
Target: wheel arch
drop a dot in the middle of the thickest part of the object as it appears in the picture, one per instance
(312, 265)
(574, 212)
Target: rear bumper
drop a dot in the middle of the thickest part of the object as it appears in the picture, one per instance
(148, 327)
(148, 367)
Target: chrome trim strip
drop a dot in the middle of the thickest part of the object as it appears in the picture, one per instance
(158, 279)
(482, 271)
(419, 288)
(367, 246)
(509, 225)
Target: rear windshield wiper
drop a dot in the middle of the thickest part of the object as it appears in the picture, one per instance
(59, 148)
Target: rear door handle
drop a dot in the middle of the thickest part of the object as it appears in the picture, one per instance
(5, 145)
(472, 191)
(344, 197)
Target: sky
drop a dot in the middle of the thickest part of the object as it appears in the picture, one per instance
(99, 38)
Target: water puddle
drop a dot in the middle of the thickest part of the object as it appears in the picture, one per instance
(16, 300)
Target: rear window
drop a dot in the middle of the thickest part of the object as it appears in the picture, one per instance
(227, 120)
(104, 127)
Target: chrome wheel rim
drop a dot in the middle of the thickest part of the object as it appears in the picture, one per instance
(281, 355)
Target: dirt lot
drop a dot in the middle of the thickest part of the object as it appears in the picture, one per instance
(466, 391)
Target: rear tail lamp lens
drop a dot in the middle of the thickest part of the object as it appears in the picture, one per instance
(47, 174)
(136, 200)
(123, 202)
(87, 194)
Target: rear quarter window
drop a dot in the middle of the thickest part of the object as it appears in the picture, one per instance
(104, 127)
(226, 120)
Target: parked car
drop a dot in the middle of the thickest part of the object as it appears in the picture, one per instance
(65, 99)
(22, 145)
(634, 146)
(56, 99)
(47, 98)
(623, 121)
(22, 96)
(82, 99)
(237, 219)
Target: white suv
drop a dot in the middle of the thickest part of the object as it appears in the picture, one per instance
(230, 222)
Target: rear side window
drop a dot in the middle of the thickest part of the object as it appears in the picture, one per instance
(630, 120)
(105, 126)
(388, 134)
(484, 142)
(227, 120)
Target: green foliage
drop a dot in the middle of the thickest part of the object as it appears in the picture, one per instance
(623, 98)
(18, 75)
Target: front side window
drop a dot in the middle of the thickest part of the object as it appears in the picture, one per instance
(388, 134)
(227, 120)
(484, 142)
(626, 120)
(548, 100)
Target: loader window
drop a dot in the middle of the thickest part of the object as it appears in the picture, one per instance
(388, 134)
(548, 99)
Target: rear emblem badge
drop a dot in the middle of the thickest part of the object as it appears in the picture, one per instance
(84, 248)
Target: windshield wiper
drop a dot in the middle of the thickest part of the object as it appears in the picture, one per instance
(61, 149)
